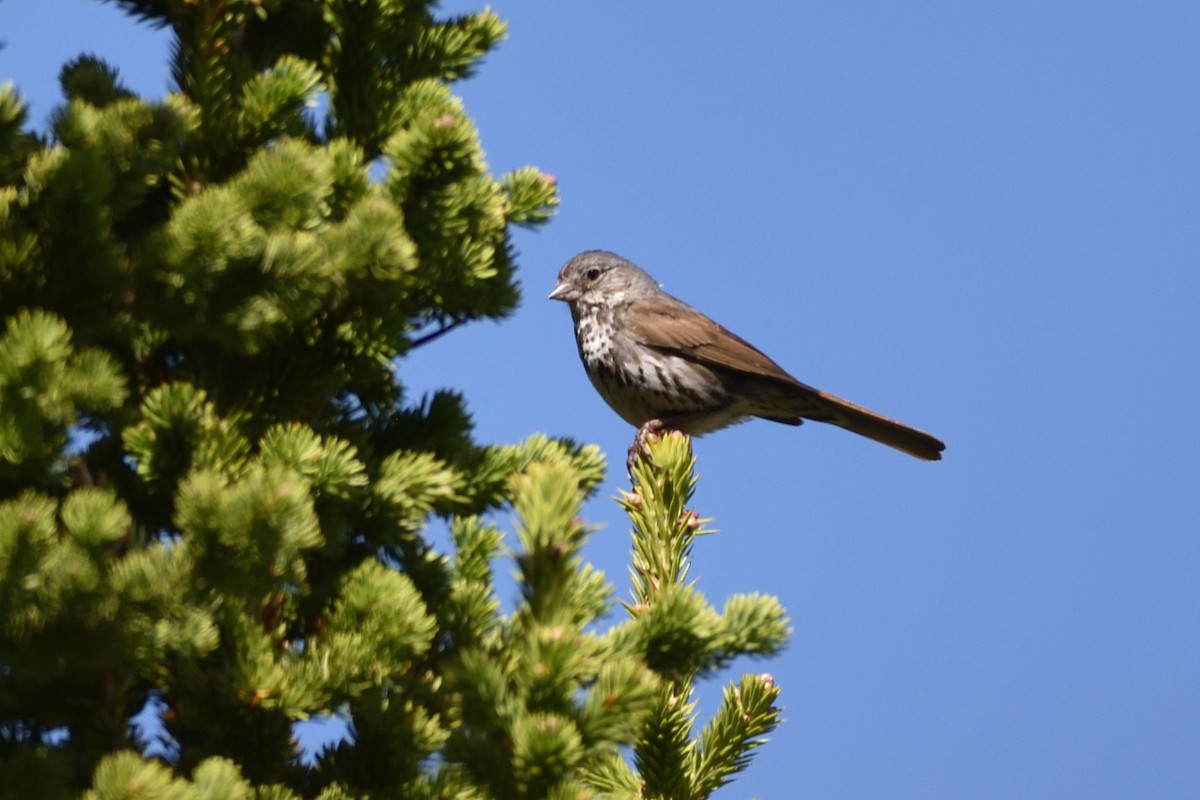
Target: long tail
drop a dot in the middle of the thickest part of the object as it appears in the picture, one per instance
(887, 431)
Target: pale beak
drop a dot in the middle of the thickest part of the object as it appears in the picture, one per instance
(565, 292)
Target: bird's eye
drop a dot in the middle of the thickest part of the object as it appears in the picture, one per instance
(592, 274)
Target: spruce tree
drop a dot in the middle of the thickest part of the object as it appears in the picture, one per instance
(215, 497)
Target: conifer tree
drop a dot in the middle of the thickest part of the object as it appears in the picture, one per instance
(215, 495)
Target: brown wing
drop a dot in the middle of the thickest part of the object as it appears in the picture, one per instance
(673, 326)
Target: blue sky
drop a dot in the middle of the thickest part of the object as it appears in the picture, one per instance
(982, 219)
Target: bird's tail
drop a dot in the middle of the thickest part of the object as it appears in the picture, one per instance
(887, 431)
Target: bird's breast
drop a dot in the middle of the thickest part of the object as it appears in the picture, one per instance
(639, 382)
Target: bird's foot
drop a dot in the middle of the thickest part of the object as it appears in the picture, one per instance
(649, 432)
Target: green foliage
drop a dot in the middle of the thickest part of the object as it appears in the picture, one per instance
(682, 637)
(217, 505)
(46, 386)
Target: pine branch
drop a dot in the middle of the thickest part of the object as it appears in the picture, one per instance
(681, 636)
(440, 332)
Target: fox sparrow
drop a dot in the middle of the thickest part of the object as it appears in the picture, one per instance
(662, 365)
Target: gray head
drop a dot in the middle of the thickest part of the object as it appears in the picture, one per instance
(598, 277)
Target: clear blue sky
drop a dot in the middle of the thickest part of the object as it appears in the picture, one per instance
(983, 219)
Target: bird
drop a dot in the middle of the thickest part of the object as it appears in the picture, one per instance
(661, 365)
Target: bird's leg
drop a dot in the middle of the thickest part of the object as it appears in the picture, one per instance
(652, 427)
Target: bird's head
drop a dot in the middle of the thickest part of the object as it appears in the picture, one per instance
(598, 277)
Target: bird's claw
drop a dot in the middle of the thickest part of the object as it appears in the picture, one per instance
(650, 430)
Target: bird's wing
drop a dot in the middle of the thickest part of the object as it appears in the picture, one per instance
(681, 330)
(676, 328)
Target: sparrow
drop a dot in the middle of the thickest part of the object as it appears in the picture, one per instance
(662, 365)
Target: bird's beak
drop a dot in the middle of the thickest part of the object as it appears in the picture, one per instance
(565, 292)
